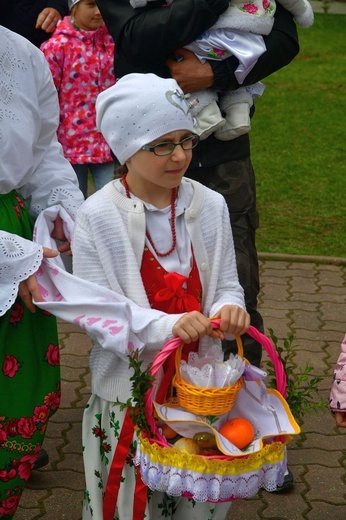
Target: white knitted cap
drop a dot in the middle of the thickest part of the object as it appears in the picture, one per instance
(71, 3)
(138, 109)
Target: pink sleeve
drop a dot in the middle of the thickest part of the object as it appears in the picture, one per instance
(54, 55)
(337, 398)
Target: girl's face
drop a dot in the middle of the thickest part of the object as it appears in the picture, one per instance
(86, 15)
(151, 177)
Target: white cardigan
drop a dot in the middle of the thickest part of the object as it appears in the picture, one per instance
(101, 254)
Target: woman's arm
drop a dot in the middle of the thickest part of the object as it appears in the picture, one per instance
(53, 180)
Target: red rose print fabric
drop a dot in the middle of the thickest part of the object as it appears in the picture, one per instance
(29, 377)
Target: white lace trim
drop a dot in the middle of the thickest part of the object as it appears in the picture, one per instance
(19, 258)
(208, 487)
(61, 196)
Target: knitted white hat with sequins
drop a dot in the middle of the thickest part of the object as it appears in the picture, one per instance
(138, 109)
(71, 3)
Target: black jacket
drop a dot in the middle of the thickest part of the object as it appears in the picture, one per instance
(146, 37)
(20, 16)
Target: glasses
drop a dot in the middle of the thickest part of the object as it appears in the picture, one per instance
(162, 149)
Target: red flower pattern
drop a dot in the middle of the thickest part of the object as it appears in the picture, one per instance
(221, 53)
(106, 447)
(17, 210)
(41, 414)
(53, 355)
(20, 202)
(9, 505)
(5, 476)
(26, 427)
(11, 428)
(10, 366)
(17, 313)
(250, 8)
(98, 432)
(3, 434)
(53, 400)
(26, 464)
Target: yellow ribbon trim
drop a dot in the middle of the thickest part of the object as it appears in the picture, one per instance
(270, 454)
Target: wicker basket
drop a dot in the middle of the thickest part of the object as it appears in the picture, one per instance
(160, 466)
(212, 478)
(205, 401)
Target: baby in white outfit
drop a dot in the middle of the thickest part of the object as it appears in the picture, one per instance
(238, 32)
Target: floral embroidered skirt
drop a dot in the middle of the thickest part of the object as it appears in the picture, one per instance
(102, 423)
(29, 377)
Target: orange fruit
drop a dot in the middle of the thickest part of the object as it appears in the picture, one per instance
(168, 432)
(238, 431)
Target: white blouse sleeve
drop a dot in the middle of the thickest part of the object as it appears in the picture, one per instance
(31, 159)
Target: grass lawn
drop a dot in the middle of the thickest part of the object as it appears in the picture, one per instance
(298, 147)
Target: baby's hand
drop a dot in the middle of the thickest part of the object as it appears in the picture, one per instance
(233, 320)
(340, 419)
(192, 327)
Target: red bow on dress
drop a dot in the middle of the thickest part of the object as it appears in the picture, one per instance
(174, 291)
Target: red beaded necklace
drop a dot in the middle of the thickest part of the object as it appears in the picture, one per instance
(174, 235)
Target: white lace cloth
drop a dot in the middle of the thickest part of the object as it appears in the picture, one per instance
(208, 487)
(19, 258)
(211, 371)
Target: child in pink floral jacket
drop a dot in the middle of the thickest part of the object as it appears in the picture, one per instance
(337, 399)
(237, 32)
(80, 54)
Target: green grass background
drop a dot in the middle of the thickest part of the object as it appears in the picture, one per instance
(298, 147)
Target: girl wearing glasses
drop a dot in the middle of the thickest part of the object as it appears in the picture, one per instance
(164, 243)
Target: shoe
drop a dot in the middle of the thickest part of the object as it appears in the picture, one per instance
(42, 459)
(208, 120)
(237, 122)
(288, 483)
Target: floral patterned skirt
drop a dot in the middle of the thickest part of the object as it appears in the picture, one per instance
(102, 423)
(29, 377)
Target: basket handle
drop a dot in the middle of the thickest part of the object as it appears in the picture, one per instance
(170, 346)
(159, 360)
(280, 374)
(176, 342)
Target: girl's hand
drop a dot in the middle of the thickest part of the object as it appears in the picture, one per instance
(233, 320)
(59, 234)
(29, 289)
(340, 419)
(192, 326)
